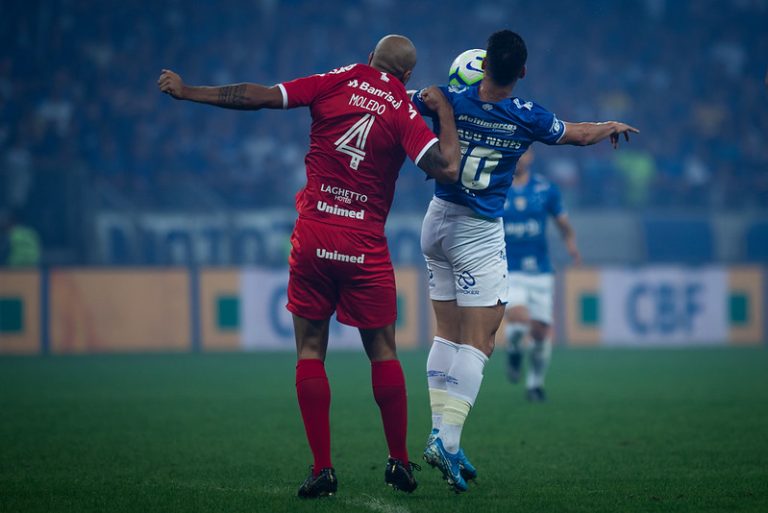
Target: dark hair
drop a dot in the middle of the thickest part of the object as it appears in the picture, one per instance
(505, 56)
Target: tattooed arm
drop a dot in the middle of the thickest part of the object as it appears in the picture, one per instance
(236, 96)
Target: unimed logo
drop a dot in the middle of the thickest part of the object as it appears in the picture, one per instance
(340, 257)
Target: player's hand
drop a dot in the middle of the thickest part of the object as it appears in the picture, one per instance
(434, 98)
(576, 257)
(619, 129)
(171, 83)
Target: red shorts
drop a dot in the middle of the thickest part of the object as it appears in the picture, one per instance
(349, 271)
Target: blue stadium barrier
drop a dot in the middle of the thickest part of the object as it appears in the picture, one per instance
(757, 242)
(678, 241)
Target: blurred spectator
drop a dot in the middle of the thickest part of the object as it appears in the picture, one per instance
(21, 245)
(76, 88)
(638, 170)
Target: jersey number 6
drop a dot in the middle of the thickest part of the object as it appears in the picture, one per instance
(477, 166)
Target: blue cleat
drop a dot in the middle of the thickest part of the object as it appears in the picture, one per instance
(447, 463)
(468, 471)
(427, 454)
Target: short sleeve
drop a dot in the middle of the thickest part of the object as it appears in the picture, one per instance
(546, 127)
(415, 136)
(554, 201)
(422, 107)
(301, 91)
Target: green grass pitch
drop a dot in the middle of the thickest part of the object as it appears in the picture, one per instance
(624, 431)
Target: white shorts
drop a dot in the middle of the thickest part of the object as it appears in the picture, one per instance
(466, 255)
(533, 291)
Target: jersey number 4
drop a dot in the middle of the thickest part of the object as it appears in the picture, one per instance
(352, 143)
(477, 166)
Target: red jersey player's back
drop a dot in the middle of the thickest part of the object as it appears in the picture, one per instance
(363, 126)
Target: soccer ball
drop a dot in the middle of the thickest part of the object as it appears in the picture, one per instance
(467, 68)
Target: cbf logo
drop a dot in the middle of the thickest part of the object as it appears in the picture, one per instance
(466, 281)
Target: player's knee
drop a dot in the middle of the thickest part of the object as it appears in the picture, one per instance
(539, 330)
(311, 347)
(309, 351)
(381, 353)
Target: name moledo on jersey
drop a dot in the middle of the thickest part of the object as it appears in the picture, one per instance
(343, 195)
(375, 91)
(322, 206)
(367, 104)
(339, 257)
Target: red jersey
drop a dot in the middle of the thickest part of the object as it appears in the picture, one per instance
(363, 126)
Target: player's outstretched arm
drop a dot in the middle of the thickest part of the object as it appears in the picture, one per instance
(569, 237)
(584, 134)
(235, 96)
(441, 161)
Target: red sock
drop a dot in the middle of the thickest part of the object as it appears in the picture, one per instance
(389, 391)
(314, 395)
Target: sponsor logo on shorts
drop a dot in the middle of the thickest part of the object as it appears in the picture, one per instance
(322, 206)
(466, 281)
(340, 257)
(343, 195)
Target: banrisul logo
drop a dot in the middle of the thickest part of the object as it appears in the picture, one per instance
(339, 257)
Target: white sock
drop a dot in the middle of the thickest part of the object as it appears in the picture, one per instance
(541, 354)
(515, 333)
(463, 384)
(439, 361)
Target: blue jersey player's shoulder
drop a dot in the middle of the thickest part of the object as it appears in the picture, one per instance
(553, 202)
(451, 92)
(542, 124)
(540, 182)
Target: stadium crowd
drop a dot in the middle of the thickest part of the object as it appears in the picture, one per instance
(78, 99)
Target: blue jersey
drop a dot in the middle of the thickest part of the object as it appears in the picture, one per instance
(525, 224)
(492, 137)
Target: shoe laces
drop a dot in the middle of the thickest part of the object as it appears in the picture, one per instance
(412, 465)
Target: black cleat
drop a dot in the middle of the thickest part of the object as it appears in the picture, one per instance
(399, 475)
(536, 395)
(322, 485)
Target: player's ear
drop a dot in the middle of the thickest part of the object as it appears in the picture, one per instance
(370, 58)
(407, 76)
(522, 72)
